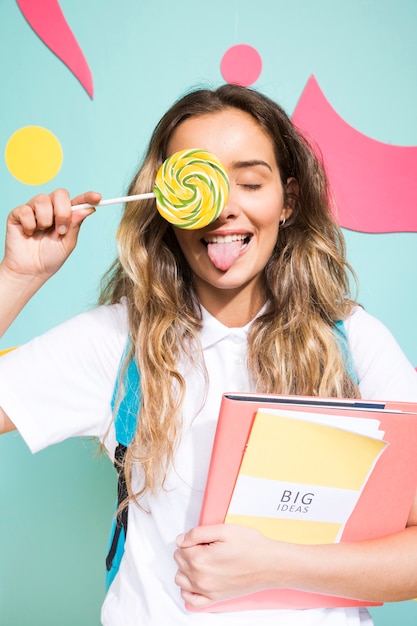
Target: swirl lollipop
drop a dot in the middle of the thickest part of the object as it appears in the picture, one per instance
(191, 189)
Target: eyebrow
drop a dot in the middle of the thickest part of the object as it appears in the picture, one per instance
(251, 163)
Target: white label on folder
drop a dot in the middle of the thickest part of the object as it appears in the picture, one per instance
(261, 497)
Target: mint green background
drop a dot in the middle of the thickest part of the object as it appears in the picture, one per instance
(56, 507)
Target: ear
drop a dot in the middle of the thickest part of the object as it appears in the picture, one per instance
(291, 191)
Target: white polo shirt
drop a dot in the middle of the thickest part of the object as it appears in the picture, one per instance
(69, 376)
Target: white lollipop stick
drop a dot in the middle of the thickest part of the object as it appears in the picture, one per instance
(139, 196)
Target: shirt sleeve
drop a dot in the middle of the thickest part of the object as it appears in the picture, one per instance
(383, 369)
(60, 384)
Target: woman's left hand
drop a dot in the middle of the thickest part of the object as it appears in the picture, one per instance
(224, 561)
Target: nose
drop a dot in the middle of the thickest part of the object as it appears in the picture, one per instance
(231, 209)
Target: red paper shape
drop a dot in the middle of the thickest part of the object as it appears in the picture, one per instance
(374, 183)
(48, 22)
(241, 65)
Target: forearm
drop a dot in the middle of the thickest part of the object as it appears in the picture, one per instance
(380, 570)
(212, 566)
(15, 291)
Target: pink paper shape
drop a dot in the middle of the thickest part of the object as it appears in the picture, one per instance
(241, 65)
(48, 22)
(374, 183)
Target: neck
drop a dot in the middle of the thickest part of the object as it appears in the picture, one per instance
(233, 309)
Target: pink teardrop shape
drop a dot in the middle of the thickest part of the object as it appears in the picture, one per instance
(48, 22)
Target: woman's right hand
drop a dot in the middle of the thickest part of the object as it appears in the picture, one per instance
(42, 234)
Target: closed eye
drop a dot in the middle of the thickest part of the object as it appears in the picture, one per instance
(250, 187)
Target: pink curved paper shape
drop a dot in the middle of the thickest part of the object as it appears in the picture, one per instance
(48, 22)
(374, 183)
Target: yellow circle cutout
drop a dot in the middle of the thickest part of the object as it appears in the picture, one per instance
(6, 351)
(33, 155)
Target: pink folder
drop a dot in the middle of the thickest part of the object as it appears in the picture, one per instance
(384, 504)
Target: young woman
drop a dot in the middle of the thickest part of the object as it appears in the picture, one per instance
(39, 239)
(248, 303)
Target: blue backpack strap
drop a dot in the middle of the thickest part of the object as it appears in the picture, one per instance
(342, 340)
(125, 425)
(127, 411)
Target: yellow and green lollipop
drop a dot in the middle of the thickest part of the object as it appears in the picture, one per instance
(191, 189)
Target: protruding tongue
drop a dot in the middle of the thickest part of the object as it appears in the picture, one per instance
(223, 255)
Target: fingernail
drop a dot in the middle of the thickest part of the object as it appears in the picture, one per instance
(180, 539)
(62, 230)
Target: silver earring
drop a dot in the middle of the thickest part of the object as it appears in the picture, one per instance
(282, 222)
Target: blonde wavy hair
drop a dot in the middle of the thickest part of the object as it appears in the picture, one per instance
(292, 347)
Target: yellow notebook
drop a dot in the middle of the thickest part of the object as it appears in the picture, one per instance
(302, 474)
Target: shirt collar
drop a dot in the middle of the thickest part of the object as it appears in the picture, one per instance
(214, 331)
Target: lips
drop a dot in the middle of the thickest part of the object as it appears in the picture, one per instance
(223, 250)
